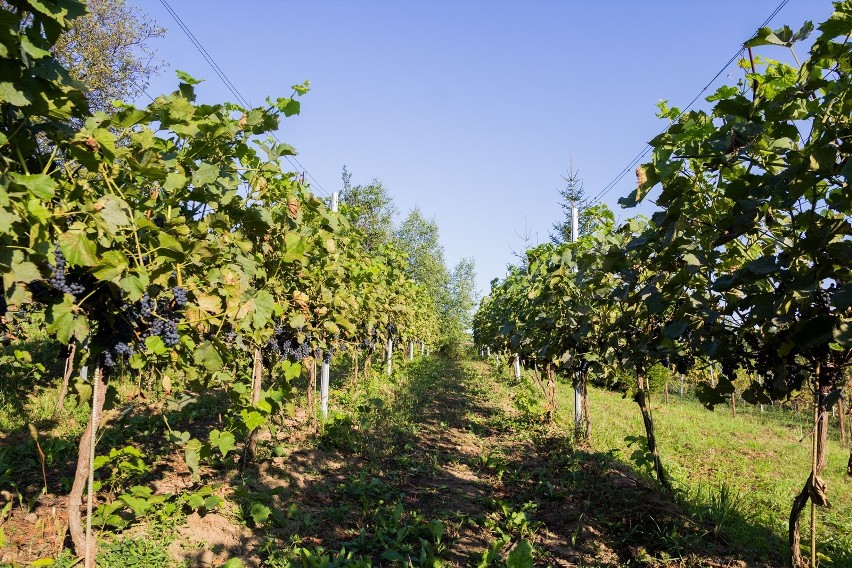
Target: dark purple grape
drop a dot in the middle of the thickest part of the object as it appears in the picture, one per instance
(179, 295)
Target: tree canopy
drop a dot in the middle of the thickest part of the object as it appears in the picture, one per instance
(108, 49)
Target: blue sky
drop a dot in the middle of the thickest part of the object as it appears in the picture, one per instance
(469, 109)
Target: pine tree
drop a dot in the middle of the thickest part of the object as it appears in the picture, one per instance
(572, 194)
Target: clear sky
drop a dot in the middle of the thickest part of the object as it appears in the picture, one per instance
(469, 109)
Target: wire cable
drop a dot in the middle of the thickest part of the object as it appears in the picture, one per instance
(294, 162)
(638, 158)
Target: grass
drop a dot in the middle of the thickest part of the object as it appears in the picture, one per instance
(741, 474)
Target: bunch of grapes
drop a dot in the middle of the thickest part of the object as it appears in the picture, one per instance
(302, 351)
(371, 339)
(285, 345)
(164, 328)
(326, 356)
(179, 296)
(149, 317)
(146, 306)
(58, 277)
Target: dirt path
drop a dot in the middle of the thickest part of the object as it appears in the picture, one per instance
(457, 446)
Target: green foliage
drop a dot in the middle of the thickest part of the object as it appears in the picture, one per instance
(119, 467)
(658, 376)
(510, 525)
(370, 209)
(461, 301)
(134, 552)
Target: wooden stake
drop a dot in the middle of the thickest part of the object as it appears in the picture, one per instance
(66, 378)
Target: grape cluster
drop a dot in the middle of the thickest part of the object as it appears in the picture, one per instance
(123, 349)
(285, 345)
(58, 277)
(146, 306)
(149, 317)
(326, 356)
(179, 295)
(302, 351)
(166, 329)
(371, 339)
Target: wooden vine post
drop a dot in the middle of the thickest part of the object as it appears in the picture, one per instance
(815, 488)
(66, 377)
(256, 373)
(550, 370)
(84, 544)
(734, 403)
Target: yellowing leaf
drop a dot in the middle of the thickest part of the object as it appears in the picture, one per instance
(78, 248)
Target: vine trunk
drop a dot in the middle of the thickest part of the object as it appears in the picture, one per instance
(81, 475)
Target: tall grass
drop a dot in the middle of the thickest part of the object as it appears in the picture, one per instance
(737, 473)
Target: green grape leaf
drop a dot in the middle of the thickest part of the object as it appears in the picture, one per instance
(205, 174)
(187, 78)
(113, 212)
(155, 344)
(10, 94)
(113, 264)
(259, 512)
(40, 185)
(66, 322)
(174, 181)
(224, 441)
(208, 357)
(252, 419)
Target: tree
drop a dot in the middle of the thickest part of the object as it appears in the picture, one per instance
(449, 293)
(461, 299)
(107, 50)
(573, 194)
(418, 239)
(370, 209)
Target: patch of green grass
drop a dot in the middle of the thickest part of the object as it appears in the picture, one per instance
(135, 551)
(738, 474)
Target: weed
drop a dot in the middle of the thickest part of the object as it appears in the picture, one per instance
(134, 551)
